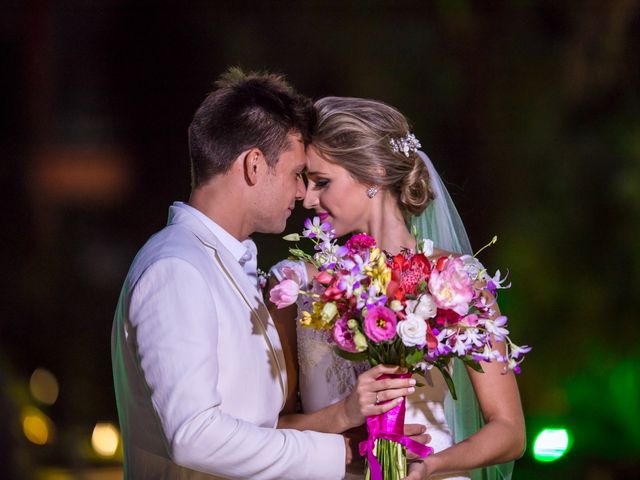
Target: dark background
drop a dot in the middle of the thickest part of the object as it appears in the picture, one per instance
(529, 109)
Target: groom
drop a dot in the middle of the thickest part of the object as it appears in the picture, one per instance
(198, 367)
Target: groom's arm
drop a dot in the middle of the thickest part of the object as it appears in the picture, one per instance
(176, 331)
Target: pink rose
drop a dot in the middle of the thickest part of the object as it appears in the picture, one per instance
(380, 324)
(451, 288)
(285, 293)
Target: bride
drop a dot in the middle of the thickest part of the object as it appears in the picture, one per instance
(366, 174)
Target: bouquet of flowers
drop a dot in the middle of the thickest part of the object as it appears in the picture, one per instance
(409, 310)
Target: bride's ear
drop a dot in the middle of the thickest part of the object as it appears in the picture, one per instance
(252, 161)
(380, 171)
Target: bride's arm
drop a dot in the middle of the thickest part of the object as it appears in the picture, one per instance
(500, 440)
(344, 414)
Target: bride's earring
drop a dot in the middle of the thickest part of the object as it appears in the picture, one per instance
(371, 191)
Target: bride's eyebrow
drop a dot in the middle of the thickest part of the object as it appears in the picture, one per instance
(313, 173)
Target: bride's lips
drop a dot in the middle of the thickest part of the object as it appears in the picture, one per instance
(323, 216)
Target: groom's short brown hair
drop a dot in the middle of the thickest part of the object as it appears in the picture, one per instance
(254, 110)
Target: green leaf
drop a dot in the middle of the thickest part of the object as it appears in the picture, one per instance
(413, 357)
(447, 379)
(351, 356)
(473, 364)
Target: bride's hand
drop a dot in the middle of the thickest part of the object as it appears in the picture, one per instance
(373, 397)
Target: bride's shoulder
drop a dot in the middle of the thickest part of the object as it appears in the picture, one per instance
(438, 252)
(311, 270)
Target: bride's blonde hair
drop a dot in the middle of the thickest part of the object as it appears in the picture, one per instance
(356, 134)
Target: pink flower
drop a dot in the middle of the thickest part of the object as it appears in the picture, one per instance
(380, 324)
(285, 293)
(343, 336)
(451, 288)
(360, 242)
(324, 278)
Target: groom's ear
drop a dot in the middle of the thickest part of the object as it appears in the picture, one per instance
(252, 161)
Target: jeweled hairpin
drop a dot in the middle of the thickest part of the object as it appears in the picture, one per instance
(408, 144)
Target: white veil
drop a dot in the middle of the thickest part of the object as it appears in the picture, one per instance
(441, 223)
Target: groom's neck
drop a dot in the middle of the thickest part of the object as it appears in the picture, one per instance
(223, 204)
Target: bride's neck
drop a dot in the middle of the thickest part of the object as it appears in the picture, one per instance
(387, 226)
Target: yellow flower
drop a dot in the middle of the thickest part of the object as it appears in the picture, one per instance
(319, 318)
(328, 313)
(378, 270)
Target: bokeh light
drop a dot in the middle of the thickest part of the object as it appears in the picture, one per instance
(44, 386)
(37, 427)
(105, 439)
(551, 444)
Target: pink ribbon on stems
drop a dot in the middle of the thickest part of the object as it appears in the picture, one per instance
(389, 426)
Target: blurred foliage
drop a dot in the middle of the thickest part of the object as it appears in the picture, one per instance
(528, 109)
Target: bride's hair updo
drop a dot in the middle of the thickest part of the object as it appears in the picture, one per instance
(356, 134)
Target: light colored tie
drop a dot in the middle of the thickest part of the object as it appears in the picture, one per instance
(249, 261)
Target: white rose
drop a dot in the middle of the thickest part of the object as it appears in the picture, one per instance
(411, 305)
(426, 307)
(412, 330)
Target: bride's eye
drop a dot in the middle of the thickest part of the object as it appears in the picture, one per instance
(320, 183)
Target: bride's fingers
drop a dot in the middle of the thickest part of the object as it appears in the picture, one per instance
(391, 383)
(385, 395)
(382, 369)
(380, 408)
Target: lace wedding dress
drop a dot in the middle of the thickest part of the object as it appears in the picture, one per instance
(325, 378)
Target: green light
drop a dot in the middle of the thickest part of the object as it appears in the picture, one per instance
(551, 444)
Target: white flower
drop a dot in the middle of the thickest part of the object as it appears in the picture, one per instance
(396, 305)
(427, 247)
(473, 267)
(426, 307)
(460, 348)
(412, 330)
(471, 336)
(496, 327)
(424, 366)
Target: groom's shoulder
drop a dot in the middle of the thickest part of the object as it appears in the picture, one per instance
(173, 241)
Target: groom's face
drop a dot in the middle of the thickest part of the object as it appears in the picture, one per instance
(283, 185)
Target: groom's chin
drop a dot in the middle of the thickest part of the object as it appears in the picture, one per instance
(274, 227)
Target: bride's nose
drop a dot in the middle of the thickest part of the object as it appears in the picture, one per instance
(310, 200)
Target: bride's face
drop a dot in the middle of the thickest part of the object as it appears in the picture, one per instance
(333, 191)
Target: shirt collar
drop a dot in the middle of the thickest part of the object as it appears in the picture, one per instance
(241, 251)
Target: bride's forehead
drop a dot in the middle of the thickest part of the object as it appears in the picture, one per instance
(318, 164)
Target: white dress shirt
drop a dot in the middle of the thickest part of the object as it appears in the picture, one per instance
(245, 252)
